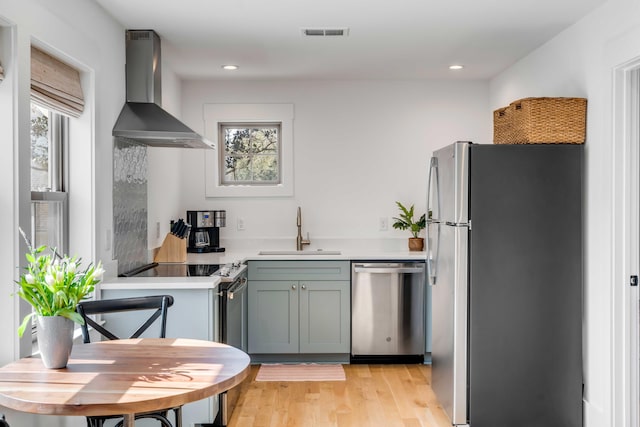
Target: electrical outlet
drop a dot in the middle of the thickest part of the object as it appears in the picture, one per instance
(157, 230)
(384, 223)
(240, 224)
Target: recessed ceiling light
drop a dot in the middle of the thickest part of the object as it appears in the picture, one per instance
(456, 67)
(230, 67)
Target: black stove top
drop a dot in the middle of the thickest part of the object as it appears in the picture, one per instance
(172, 270)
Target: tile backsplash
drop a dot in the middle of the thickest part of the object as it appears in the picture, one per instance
(129, 204)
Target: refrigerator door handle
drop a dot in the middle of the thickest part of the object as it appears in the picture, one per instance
(432, 214)
(431, 262)
(432, 259)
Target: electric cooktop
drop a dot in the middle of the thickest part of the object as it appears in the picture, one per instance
(172, 270)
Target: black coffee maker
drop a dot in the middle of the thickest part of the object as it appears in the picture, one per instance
(205, 231)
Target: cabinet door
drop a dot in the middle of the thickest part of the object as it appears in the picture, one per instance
(324, 316)
(273, 316)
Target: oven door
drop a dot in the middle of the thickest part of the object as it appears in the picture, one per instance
(234, 314)
(233, 331)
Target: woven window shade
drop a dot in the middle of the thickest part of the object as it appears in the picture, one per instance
(55, 84)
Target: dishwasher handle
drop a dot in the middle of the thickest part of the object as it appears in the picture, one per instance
(386, 270)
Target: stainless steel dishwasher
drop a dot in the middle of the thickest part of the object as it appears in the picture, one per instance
(387, 311)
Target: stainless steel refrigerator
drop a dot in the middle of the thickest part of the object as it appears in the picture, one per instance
(504, 262)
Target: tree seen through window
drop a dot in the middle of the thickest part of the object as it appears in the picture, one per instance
(39, 148)
(251, 154)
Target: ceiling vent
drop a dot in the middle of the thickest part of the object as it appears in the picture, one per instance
(325, 32)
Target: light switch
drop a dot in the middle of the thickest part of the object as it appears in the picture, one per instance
(240, 224)
(384, 223)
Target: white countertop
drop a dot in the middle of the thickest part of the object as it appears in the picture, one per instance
(372, 252)
(306, 255)
(191, 282)
(239, 250)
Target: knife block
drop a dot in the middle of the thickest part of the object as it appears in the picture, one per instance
(173, 249)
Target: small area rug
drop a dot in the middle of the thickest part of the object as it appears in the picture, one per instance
(301, 372)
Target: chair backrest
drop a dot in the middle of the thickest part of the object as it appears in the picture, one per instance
(159, 303)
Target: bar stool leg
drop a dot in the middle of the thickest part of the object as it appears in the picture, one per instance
(178, 415)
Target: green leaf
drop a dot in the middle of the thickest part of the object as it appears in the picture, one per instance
(26, 321)
(406, 222)
(72, 315)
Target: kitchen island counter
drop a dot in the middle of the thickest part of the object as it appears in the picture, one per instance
(193, 315)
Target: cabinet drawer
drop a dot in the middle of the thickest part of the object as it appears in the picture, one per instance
(299, 270)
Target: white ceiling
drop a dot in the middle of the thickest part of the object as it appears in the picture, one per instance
(388, 39)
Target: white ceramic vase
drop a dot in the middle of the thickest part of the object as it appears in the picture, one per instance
(55, 339)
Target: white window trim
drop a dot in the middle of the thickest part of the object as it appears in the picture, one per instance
(248, 113)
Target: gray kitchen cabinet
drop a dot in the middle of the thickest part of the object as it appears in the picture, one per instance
(324, 317)
(273, 317)
(299, 307)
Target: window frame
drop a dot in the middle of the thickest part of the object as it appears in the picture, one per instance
(257, 114)
(58, 148)
(58, 138)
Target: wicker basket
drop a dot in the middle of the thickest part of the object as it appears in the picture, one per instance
(502, 128)
(541, 121)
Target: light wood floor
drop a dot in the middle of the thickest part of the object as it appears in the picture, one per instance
(372, 396)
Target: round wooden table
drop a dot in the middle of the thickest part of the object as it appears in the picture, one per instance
(123, 377)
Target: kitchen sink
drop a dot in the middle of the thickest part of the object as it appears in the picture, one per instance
(316, 252)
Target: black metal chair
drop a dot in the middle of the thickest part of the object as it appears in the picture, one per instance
(160, 304)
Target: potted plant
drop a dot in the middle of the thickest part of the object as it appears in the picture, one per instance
(53, 285)
(406, 222)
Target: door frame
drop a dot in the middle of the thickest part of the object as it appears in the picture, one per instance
(625, 350)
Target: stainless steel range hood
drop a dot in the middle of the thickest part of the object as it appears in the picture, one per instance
(142, 118)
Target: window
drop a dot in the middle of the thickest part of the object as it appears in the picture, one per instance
(49, 132)
(56, 95)
(48, 197)
(55, 90)
(254, 150)
(250, 154)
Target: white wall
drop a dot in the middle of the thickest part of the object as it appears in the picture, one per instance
(164, 166)
(580, 62)
(9, 181)
(95, 44)
(358, 147)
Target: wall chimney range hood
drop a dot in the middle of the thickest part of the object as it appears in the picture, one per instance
(142, 119)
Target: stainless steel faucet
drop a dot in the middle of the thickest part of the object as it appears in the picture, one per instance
(300, 242)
